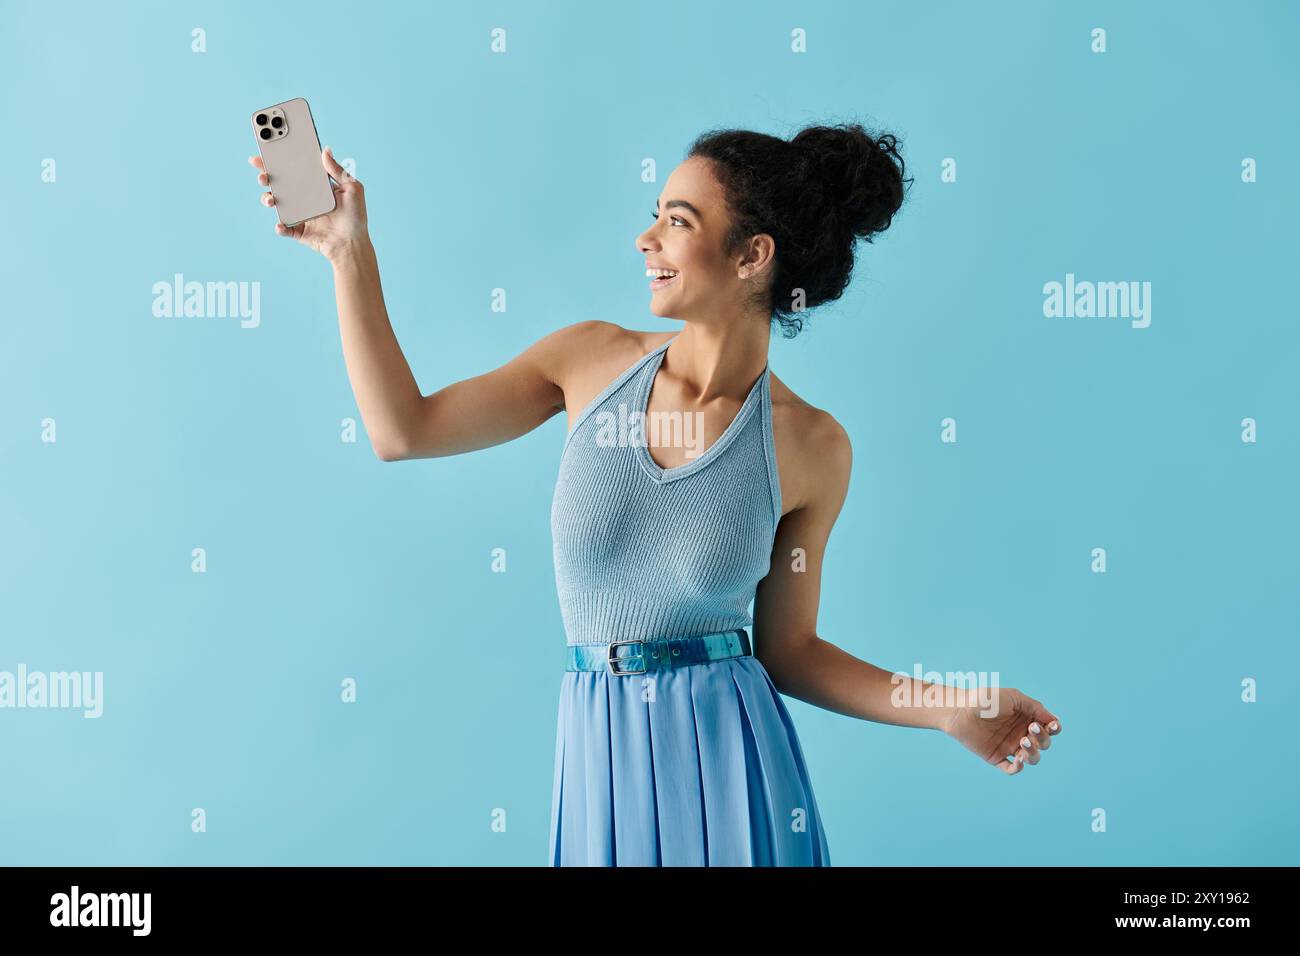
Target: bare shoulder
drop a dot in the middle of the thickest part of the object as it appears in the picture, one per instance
(814, 454)
(585, 357)
(586, 347)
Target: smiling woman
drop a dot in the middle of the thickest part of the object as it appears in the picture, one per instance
(813, 195)
(673, 744)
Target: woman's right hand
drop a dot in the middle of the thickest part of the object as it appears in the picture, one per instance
(333, 232)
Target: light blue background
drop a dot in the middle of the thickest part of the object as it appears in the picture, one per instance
(522, 171)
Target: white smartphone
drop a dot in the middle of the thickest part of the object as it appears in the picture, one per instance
(286, 137)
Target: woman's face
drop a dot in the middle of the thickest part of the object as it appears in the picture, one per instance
(687, 236)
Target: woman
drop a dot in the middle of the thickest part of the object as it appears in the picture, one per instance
(673, 745)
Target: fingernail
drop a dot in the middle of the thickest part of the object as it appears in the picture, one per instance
(1054, 725)
(1034, 728)
(1020, 758)
(1024, 742)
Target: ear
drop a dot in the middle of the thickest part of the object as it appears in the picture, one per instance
(759, 252)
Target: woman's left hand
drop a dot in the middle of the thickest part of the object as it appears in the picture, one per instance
(1014, 732)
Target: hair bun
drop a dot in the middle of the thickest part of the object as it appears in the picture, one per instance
(815, 194)
(855, 179)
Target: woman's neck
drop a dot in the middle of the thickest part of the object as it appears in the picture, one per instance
(716, 360)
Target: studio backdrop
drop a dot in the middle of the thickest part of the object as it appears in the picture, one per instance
(1068, 372)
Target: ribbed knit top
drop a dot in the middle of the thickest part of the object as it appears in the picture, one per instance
(648, 552)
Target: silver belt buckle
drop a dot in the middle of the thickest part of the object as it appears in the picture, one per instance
(611, 660)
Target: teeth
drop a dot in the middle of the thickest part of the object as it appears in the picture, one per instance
(660, 273)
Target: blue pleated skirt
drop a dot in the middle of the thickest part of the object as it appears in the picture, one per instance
(694, 766)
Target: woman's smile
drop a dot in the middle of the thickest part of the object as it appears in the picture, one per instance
(660, 279)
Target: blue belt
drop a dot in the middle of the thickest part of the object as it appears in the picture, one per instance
(651, 655)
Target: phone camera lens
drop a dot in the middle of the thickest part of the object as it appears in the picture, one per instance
(266, 133)
(277, 122)
(261, 119)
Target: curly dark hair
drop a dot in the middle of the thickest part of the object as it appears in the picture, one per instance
(815, 195)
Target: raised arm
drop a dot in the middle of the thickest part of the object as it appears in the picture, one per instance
(401, 423)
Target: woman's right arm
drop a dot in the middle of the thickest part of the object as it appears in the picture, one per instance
(478, 412)
(401, 423)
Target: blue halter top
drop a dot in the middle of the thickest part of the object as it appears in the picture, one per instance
(647, 552)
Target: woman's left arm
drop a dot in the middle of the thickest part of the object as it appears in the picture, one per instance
(1005, 723)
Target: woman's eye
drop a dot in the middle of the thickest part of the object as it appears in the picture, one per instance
(675, 219)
